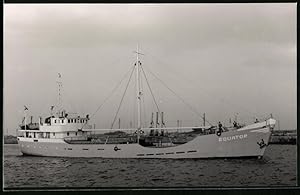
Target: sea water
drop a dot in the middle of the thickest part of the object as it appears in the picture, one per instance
(277, 168)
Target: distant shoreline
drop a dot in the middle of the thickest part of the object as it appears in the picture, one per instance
(10, 139)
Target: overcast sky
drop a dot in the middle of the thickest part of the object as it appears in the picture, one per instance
(222, 59)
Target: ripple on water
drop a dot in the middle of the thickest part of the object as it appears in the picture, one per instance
(273, 169)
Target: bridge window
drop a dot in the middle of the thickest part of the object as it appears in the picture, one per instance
(76, 133)
(68, 120)
(63, 121)
(55, 121)
(53, 134)
(68, 133)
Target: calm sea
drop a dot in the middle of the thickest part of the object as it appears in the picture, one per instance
(277, 168)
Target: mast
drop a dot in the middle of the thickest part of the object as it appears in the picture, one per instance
(25, 120)
(59, 83)
(162, 119)
(157, 123)
(25, 115)
(152, 122)
(139, 93)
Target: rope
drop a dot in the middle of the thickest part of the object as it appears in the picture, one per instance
(191, 108)
(122, 98)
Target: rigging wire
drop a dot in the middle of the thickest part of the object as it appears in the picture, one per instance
(122, 98)
(110, 94)
(143, 101)
(134, 104)
(150, 90)
(225, 100)
(192, 109)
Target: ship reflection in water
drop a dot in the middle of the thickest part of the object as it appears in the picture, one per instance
(277, 168)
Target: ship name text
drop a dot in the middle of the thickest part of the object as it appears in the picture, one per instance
(231, 138)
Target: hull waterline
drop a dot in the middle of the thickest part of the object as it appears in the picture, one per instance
(231, 144)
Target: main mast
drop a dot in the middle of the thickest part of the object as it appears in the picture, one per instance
(139, 93)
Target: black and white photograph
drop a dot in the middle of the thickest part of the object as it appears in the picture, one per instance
(149, 96)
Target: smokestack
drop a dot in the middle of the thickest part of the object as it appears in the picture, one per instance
(31, 119)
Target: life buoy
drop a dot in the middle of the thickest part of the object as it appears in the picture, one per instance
(219, 133)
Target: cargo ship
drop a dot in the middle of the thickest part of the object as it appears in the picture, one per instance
(63, 135)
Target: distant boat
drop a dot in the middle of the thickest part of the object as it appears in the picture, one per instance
(64, 136)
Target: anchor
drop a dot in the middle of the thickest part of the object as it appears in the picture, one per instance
(262, 144)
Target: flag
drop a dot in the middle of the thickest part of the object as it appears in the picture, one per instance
(25, 108)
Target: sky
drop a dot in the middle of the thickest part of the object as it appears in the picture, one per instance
(225, 60)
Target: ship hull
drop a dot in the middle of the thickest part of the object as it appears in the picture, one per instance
(232, 144)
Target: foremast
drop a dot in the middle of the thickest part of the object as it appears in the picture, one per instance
(59, 85)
